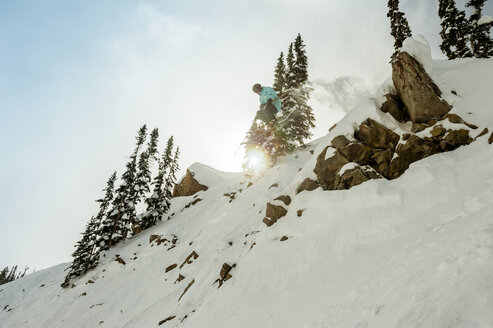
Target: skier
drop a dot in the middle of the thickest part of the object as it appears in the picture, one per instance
(270, 104)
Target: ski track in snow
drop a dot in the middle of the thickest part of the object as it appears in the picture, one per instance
(413, 252)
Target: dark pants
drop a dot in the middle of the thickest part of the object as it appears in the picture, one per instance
(266, 113)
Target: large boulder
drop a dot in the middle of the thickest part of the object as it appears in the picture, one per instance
(376, 135)
(416, 89)
(188, 186)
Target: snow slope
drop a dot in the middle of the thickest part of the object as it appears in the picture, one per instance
(412, 252)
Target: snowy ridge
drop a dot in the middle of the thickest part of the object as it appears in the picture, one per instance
(412, 252)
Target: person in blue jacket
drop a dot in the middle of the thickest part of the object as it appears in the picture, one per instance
(270, 104)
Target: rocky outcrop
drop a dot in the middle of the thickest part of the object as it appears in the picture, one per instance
(416, 89)
(376, 151)
(188, 186)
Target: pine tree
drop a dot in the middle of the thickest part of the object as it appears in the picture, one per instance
(116, 225)
(279, 76)
(96, 239)
(13, 274)
(3, 275)
(81, 253)
(298, 116)
(290, 62)
(154, 210)
(300, 68)
(399, 27)
(171, 180)
(455, 30)
(481, 42)
(144, 177)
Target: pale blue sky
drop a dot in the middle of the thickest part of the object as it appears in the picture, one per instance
(78, 78)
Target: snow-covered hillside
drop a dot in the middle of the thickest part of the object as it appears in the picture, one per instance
(416, 251)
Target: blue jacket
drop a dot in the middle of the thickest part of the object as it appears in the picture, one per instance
(269, 93)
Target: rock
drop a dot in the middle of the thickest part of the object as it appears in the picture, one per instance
(283, 238)
(171, 267)
(382, 160)
(340, 142)
(457, 138)
(490, 139)
(194, 202)
(395, 107)
(437, 131)
(188, 186)
(358, 153)
(274, 185)
(180, 278)
(226, 268)
(224, 274)
(484, 132)
(416, 89)
(413, 150)
(285, 199)
(332, 127)
(327, 169)
(376, 135)
(454, 118)
(299, 213)
(190, 258)
(307, 184)
(273, 213)
(187, 288)
(167, 319)
(418, 127)
(354, 177)
(120, 260)
(153, 237)
(405, 136)
(136, 229)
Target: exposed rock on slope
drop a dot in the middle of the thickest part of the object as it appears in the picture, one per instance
(377, 151)
(416, 89)
(188, 186)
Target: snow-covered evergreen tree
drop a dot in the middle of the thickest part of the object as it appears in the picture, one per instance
(3, 275)
(297, 114)
(155, 210)
(399, 27)
(82, 252)
(171, 180)
(144, 177)
(116, 225)
(279, 75)
(300, 68)
(481, 42)
(96, 239)
(455, 30)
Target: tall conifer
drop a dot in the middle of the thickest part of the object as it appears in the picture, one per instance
(399, 27)
(455, 30)
(481, 42)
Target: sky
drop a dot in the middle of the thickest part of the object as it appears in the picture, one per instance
(78, 79)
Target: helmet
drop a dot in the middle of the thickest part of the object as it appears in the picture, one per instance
(257, 87)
